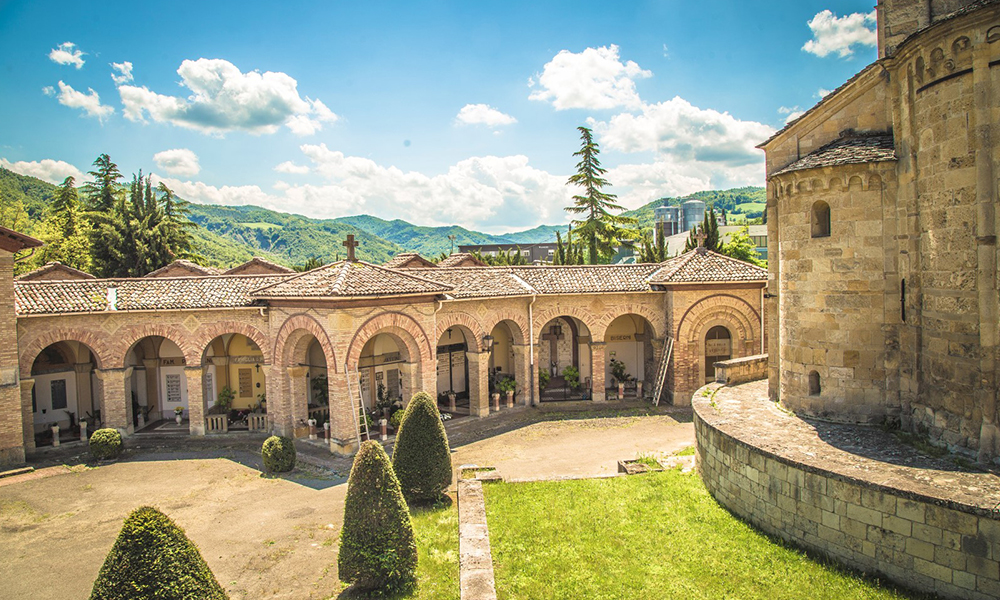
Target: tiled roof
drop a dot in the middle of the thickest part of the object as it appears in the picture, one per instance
(476, 282)
(848, 150)
(189, 268)
(15, 241)
(351, 279)
(461, 257)
(157, 293)
(55, 270)
(258, 266)
(408, 260)
(705, 266)
(586, 278)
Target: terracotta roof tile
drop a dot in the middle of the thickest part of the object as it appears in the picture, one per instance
(705, 267)
(476, 282)
(346, 279)
(409, 260)
(849, 150)
(258, 266)
(458, 258)
(55, 271)
(575, 279)
(156, 293)
(188, 267)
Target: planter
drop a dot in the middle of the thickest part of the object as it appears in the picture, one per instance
(638, 390)
(496, 401)
(178, 418)
(451, 402)
(621, 391)
(55, 435)
(312, 428)
(510, 399)
(83, 431)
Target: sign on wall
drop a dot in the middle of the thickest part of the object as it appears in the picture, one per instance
(173, 381)
(718, 347)
(246, 383)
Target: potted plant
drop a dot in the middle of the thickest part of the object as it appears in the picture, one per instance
(451, 399)
(178, 414)
(572, 376)
(508, 385)
(543, 378)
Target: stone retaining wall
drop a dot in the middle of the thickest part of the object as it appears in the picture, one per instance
(741, 370)
(925, 543)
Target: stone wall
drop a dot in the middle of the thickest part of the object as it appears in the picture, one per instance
(928, 543)
(741, 370)
(11, 448)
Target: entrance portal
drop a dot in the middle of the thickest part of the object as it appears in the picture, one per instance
(718, 347)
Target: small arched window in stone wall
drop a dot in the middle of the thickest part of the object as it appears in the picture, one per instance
(820, 219)
(814, 388)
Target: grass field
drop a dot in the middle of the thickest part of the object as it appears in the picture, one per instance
(652, 536)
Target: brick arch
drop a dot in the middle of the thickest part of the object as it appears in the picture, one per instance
(207, 333)
(720, 307)
(396, 323)
(134, 334)
(93, 340)
(519, 319)
(466, 321)
(579, 313)
(654, 319)
(299, 323)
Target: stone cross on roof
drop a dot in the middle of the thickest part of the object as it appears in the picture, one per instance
(350, 244)
(701, 236)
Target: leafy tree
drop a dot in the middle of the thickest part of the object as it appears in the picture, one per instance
(653, 251)
(377, 548)
(601, 228)
(311, 263)
(740, 246)
(421, 457)
(152, 559)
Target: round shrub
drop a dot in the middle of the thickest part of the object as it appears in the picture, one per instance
(278, 453)
(153, 559)
(421, 457)
(106, 444)
(377, 548)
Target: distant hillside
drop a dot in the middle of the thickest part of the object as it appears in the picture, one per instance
(742, 202)
(428, 241)
(538, 235)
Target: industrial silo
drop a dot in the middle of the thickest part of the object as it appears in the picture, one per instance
(694, 213)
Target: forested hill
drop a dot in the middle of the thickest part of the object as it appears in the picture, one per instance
(229, 235)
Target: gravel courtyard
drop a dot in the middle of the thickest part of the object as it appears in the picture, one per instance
(270, 537)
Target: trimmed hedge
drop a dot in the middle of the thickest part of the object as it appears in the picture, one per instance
(278, 453)
(377, 548)
(152, 559)
(106, 443)
(421, 457)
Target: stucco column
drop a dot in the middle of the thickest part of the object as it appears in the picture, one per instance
(195, 377)
(597, 366)
(521, 372)
(343, 431)
(84, 397)
(117, 405)
(295, 408)
(27, 417)
(536, 385)
(479, 387)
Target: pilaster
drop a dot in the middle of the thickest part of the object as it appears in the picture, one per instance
(195, 377)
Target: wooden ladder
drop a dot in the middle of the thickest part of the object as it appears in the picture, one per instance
(661, 372)
(360, 418)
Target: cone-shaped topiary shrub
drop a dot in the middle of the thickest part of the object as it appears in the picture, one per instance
(106, 443)
(377, 549)
(152, 559)
(421, 457)
(278, 454)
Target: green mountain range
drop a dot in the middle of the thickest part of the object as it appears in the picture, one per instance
(230, 235)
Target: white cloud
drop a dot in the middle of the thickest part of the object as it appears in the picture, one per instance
(638, 184)
(482, 114)
(823, 92)
(594, 79)
(666, 51)
(225, 99)
(840, 34)
(49, 90)
(67, 54)
(53, 171)
(124, 70)
(790, 113)
(179, 161)
(290, 167)
(686, 132)
(89, 103)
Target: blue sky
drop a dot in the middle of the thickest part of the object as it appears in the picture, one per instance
(433, 112)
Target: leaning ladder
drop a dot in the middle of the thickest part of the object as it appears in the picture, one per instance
(360, 418)
(661, 372)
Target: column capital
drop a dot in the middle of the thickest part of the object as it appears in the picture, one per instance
(83, 367)
(190, 369)
(150, 363)
(297, 371)
(103, 374)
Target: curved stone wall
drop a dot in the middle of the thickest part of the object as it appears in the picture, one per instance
(850, 493)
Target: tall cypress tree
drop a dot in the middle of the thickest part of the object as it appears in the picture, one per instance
(601, 229)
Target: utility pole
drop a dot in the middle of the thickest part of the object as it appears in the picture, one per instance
(452, 238)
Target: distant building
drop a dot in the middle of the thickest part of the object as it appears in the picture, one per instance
(758, 233)
(674, 220)
(542, 253)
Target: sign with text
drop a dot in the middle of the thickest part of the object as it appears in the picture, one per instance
(718, 347)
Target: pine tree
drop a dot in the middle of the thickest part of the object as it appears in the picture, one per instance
(711, 231)
(600, 228)
(63, 232)
(421, 457)
(560, 256)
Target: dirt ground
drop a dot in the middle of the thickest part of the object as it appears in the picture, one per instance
(265, 537)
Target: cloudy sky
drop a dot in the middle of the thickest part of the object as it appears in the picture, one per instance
(434, 112)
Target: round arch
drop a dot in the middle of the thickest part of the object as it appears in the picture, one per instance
(293, 332)
(472, 328)
(97, 345)
(579, 313)
(134, 335)
(518, 324)
(208, 333)
(739, 309)
(409, 332)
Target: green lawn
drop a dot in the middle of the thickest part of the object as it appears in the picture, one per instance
(655, 536)
(436, 530)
